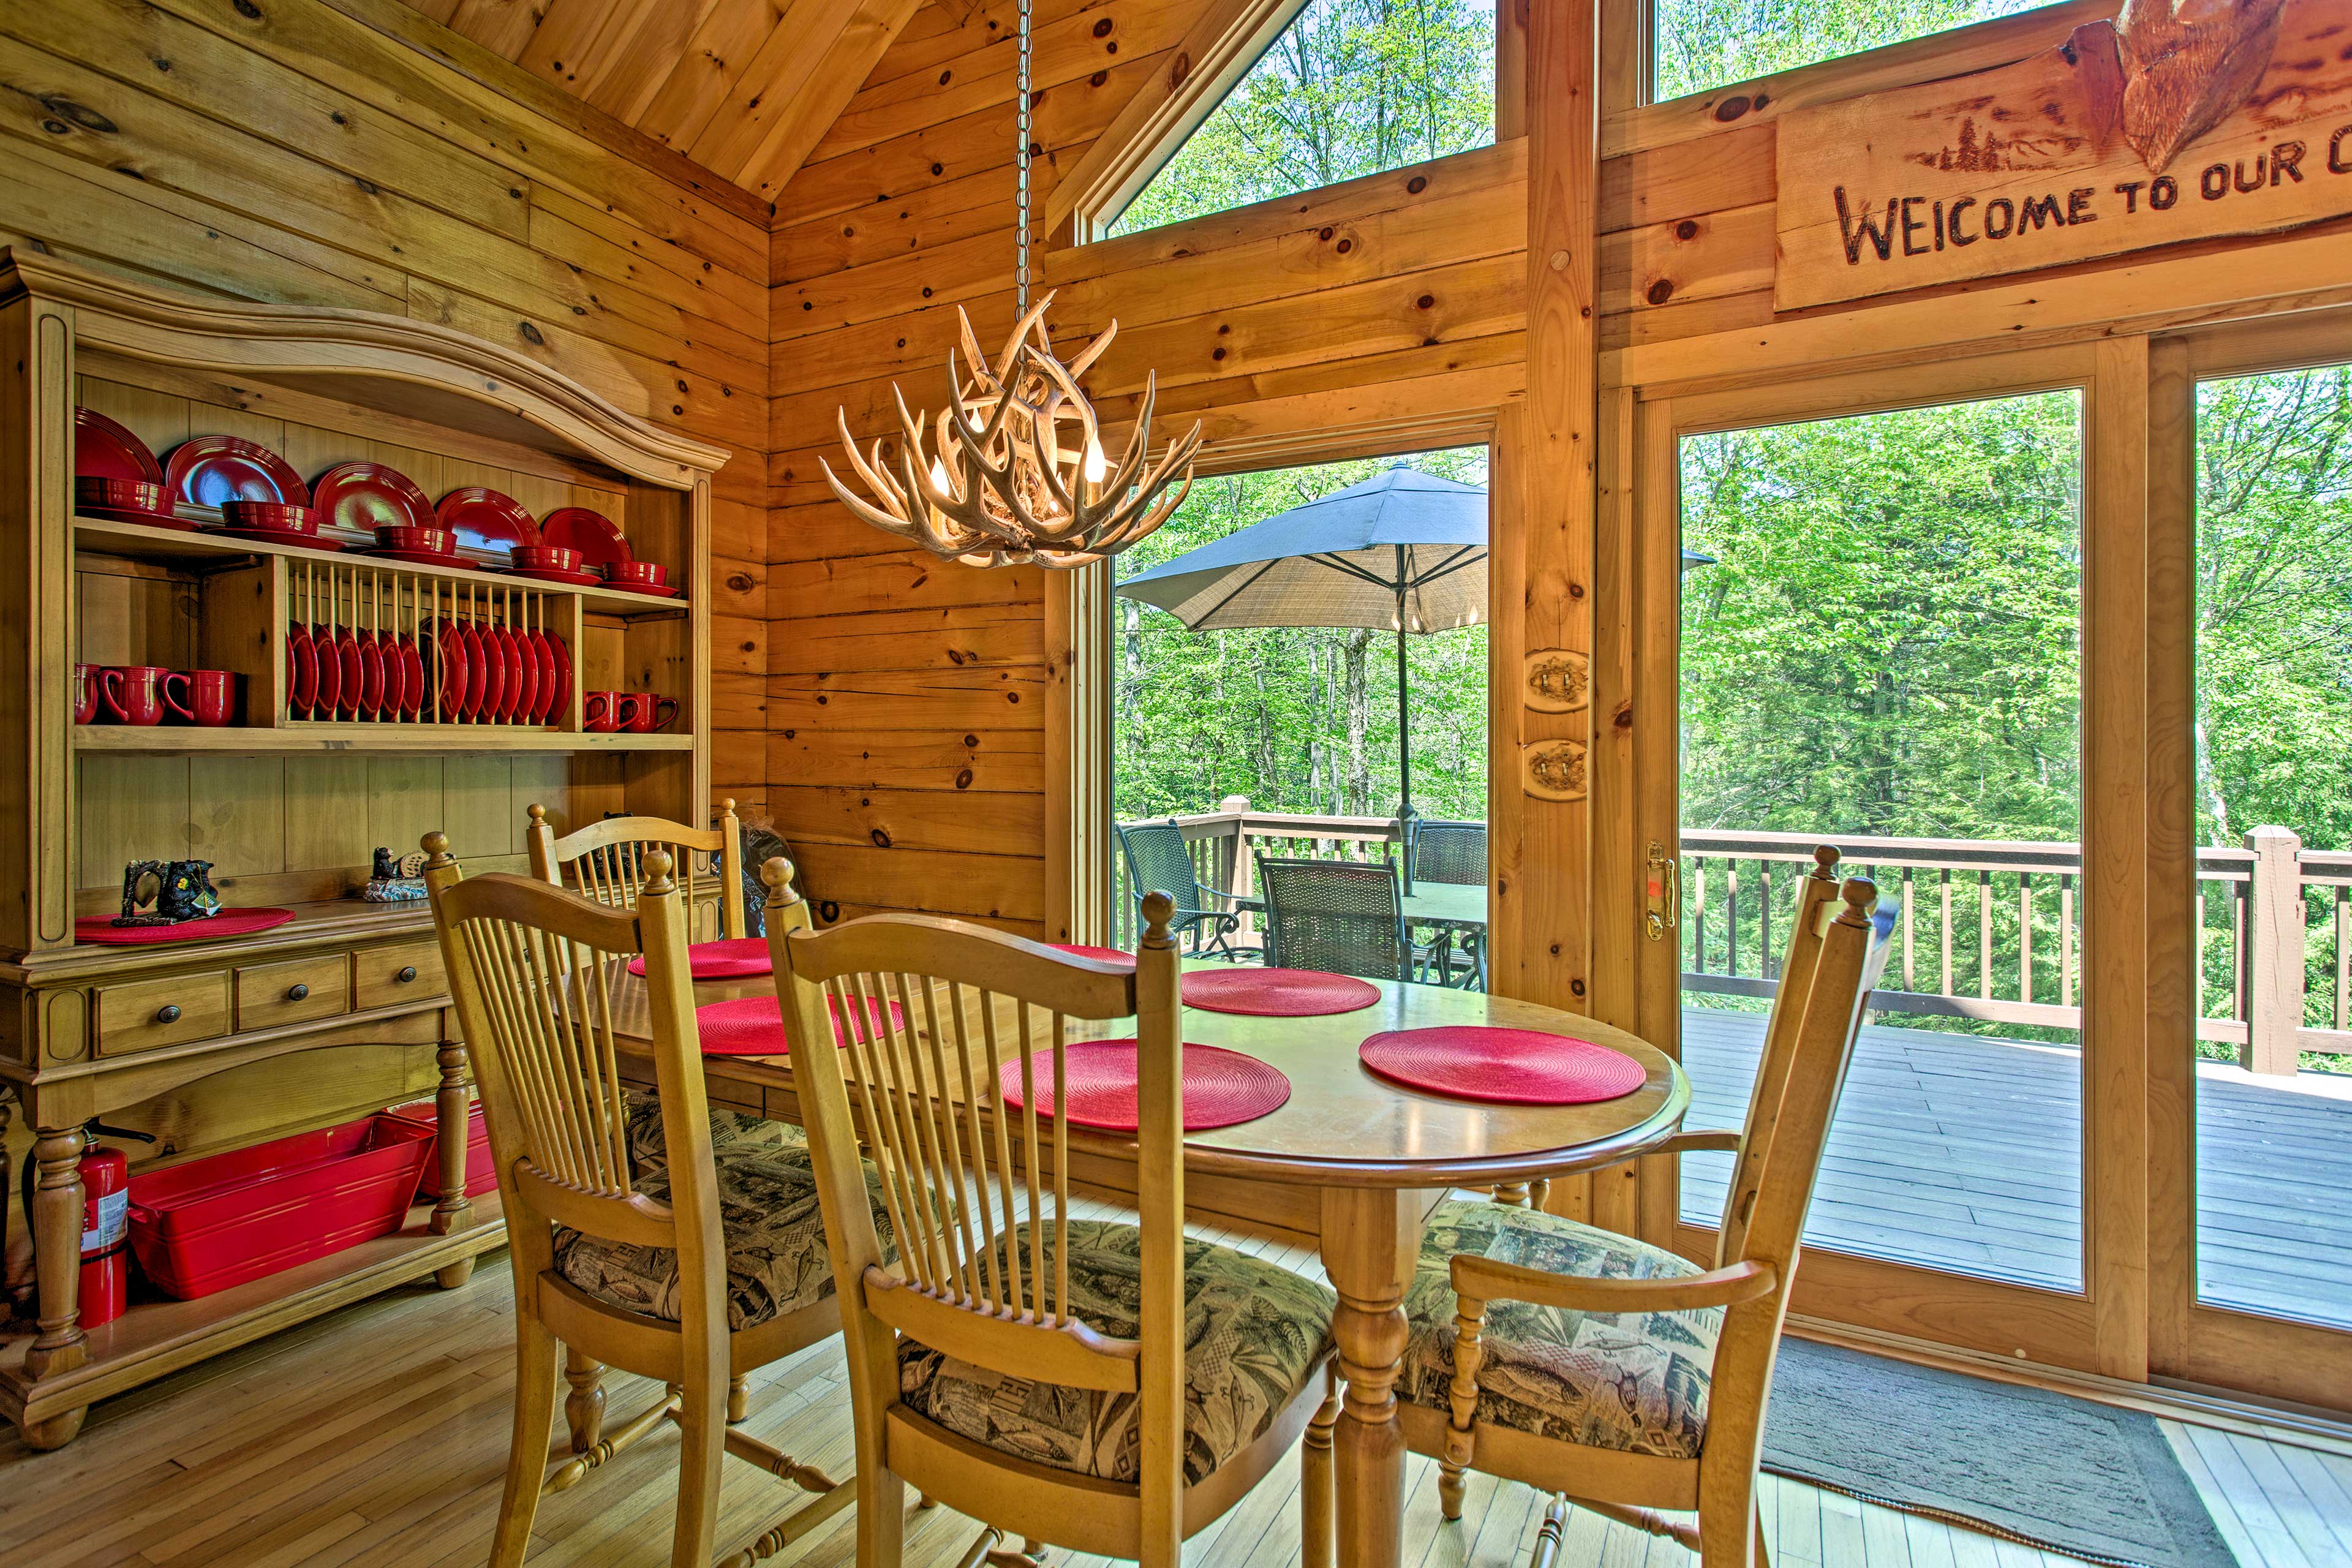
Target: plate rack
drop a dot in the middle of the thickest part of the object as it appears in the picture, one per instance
(416, 650)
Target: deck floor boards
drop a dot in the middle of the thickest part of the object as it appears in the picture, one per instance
(1963, 1152)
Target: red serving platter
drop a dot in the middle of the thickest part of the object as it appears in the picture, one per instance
(594, 535)
(364, 497)
(105, 450)
(486, 518)
(211, 469)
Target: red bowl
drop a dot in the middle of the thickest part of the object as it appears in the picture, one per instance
(119, 495)
(651, 573)
(269, 514)
(406, 536)
(546, 558)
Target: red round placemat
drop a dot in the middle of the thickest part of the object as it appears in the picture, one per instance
(100, 929)
(1277, 992)
(1222, 1088)
(1106, 955)
(734, 958)
(754, 1026)
(1506, 1067)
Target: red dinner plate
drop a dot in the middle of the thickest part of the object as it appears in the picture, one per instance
(524, 673)
(365, 497)
(302, 668)
(330, 672)
(412, 673)
(510, 672)
(481, 641)
(371, 656)
(152, 519)
(591, 533)
(354, 674)
(542, 664)
(105, 450)
(486, 518)
(569, 579)
(211, 469)
(453, 674)
(562, 700)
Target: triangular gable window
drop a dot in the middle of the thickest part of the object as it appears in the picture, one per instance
(1351, 87)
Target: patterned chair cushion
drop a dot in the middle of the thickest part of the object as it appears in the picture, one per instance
(1254, 1333)
(1632, 1381)
(776, 1261)
(729, 1128)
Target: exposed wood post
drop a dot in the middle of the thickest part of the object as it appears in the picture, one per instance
(2275, 941)
(1241, 877)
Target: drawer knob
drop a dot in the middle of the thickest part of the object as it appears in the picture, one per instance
(296, 993)
(407, 972)
(168, 1013)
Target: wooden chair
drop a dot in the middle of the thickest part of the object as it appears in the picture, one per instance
(604, 860)
(1620, 1374)
(1031, 1369)
(642, 1232)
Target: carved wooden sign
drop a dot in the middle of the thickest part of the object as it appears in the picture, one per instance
(2181, 120)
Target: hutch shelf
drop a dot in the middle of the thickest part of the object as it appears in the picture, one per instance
(212, 1045)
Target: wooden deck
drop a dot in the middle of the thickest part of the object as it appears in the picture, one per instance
(1964, 1153)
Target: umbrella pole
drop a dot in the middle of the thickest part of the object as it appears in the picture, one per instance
(1404, 732)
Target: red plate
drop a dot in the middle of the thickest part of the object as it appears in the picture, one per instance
(105, 450)
(569, 579)
(330, 672)
(283, 536)
(452, 672)
(486, 518)
(412, 671)
(482, 701)
(371, 690)
(415, 557)
(364, 497)
(152, 519)
(563, 703)
(211, 469)
(591, 533)
(650, 590)
(524, 675)
(302, 667)
(543, 654)
(353, 675)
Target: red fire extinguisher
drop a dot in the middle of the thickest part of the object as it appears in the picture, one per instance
(105, 1221)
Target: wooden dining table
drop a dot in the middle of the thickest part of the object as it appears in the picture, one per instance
(1351, 1162)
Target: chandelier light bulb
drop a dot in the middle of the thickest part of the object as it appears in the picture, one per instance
(1098, 466)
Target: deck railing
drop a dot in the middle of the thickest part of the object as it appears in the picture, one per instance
(1990, 930)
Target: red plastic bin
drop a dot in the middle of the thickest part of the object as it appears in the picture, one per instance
(219, 1222)
(481, 1166)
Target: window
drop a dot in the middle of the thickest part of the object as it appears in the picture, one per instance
(1704, 44)
(1351, 87)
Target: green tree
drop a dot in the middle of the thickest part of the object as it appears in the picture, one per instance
(1704, 44)
(1351, 87)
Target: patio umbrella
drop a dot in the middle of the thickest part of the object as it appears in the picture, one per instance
(1403, 550)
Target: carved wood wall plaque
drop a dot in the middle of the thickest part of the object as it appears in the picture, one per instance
(2181, 120)
(1559, 680)
(1553, 770)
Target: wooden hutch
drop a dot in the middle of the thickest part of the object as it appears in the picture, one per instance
(212, 1045)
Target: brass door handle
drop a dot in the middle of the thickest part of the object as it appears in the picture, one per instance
(1663, 885)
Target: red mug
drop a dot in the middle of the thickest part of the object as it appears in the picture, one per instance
(653, 712)
(212, 696)
(139, 693)
(602, 712)
(86, 690)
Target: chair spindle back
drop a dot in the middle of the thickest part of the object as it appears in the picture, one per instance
(605, 860)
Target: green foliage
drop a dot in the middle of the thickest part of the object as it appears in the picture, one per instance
(1704, 44)
(1273, 713)
(1351, 87)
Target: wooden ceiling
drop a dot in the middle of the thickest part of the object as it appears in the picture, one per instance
(744, 88)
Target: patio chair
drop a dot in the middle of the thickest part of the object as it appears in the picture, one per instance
(1454, 853)
(1341, 915)
(1158, 861)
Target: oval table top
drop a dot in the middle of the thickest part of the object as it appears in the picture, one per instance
(1343, 1126)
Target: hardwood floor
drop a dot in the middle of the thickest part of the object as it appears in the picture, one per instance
(377, 1438)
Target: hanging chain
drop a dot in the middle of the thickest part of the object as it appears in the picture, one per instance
(1021, 172)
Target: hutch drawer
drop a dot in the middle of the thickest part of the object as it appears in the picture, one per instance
(406, 972)
(146, 1014)
(295, 992)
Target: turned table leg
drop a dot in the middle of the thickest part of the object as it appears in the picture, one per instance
(1370, 1240)
(57, 1252)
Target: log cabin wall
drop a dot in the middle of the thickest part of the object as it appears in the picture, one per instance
(312, 154)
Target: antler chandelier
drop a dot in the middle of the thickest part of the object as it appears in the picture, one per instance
(989, 480)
